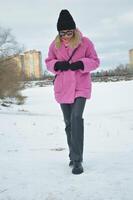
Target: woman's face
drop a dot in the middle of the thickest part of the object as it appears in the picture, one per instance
(66, 35)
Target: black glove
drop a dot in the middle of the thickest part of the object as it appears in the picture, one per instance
(62, 65)
(76, 65)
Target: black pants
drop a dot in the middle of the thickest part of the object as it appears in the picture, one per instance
(74, 127)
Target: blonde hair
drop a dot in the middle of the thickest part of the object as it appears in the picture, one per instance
(75, 40)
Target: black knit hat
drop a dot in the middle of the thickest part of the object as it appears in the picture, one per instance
(65, 21)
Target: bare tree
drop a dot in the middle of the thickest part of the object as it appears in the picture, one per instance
(10, 74)
(8, 43)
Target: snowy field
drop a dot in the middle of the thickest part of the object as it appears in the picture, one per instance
(34, 154)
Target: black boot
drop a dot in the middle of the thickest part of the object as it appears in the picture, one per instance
(77, 167)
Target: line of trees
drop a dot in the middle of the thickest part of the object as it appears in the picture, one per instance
(121, 70)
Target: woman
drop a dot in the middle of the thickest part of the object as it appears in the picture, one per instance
(72, 85)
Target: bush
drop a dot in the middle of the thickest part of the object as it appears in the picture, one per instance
(10, 79)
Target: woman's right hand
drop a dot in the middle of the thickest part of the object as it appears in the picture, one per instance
(62, 65)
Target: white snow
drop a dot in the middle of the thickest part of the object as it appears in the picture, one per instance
(34, 154)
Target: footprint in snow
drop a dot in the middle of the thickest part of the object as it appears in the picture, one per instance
(58, 149)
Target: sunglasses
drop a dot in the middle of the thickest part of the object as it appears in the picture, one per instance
(63, 33)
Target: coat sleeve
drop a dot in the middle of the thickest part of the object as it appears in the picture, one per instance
(91, 60)
(51, 60)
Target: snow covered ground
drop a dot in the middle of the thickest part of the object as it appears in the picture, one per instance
(34, 154)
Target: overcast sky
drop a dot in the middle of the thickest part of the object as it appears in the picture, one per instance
(107, 23)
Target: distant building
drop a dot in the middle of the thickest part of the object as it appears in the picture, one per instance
(131, 57)
(29, 63)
